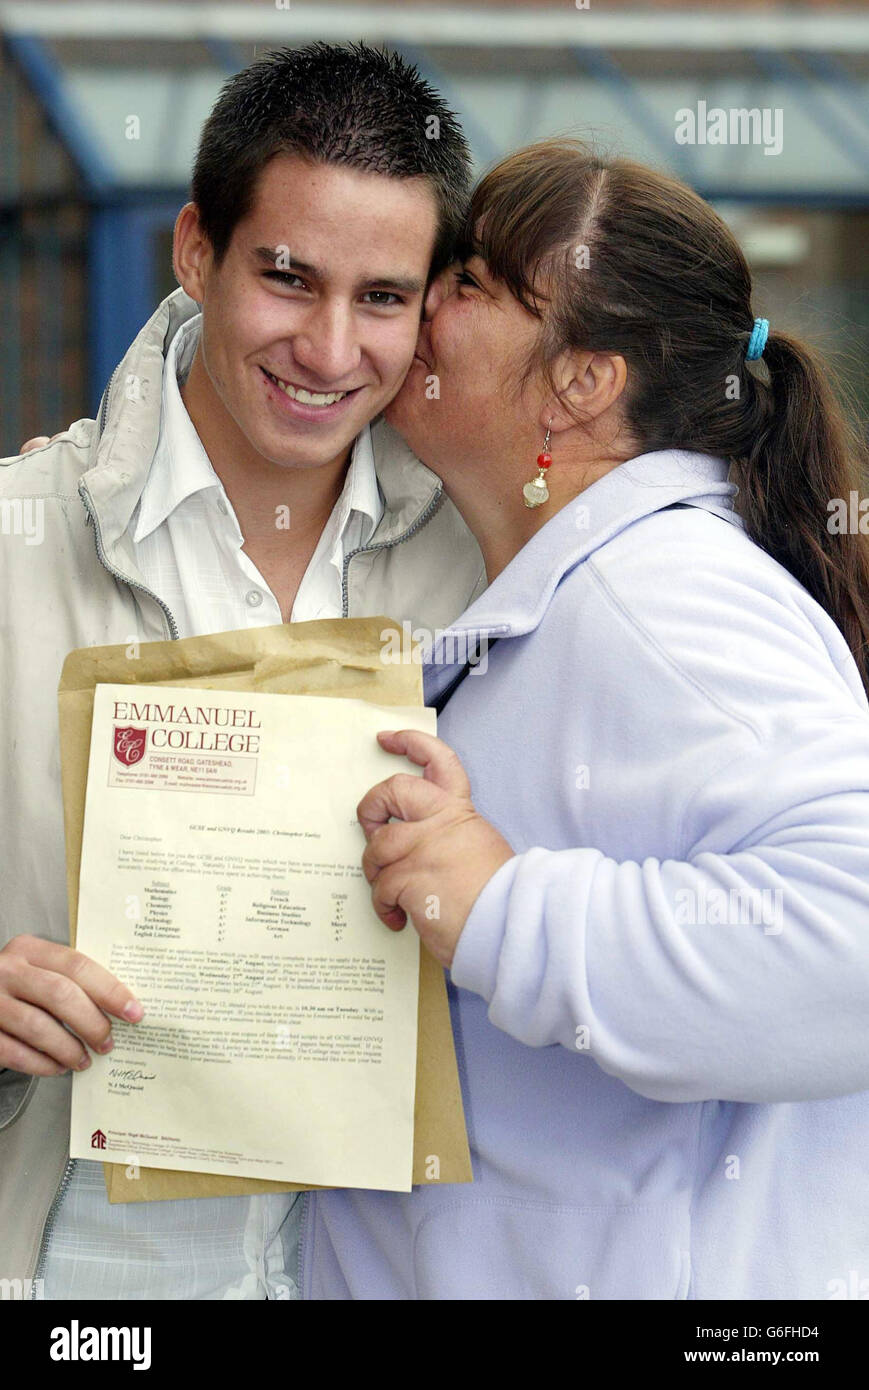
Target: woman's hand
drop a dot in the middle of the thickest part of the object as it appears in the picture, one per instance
(433, 865)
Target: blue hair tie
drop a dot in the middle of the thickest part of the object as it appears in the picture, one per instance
(757, 343)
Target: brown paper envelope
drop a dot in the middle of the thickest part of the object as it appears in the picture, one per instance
(339, 657)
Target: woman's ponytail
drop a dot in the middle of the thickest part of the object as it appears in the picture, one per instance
(799, 481)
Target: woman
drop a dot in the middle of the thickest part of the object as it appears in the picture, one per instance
(647, 825)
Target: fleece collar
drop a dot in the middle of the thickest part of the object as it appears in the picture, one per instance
(515, 602)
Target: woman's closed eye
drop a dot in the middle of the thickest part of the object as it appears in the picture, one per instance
(464, 277)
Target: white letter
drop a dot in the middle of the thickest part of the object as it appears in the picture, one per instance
(778, 132)
(35, 534)
(142, 1356)
(716, 125)
(59, 1351)
(686, 133)
(838, 522)
(390, 652)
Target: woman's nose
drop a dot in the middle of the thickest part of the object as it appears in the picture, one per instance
(440, 288)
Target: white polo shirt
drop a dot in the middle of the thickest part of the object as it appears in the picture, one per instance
(188, 545)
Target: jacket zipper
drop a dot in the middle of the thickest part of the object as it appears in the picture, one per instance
(104, 405)
(303, 1226)
(125, 578)
(386, 545)
(173, 630)
(49, 1223)
(101, 554)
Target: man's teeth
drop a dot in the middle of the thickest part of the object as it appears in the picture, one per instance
(298, 393)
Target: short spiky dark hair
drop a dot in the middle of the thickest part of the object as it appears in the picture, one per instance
(331, 104)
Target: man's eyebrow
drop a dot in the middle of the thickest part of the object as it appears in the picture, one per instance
(269, 255)
(404, 285)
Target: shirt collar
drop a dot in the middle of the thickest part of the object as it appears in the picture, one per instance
(181, 466)
(360, 493)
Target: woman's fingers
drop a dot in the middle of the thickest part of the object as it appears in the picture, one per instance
(442, 765)
(404, 796)
(385, 895)
(387, 844)
(414, 798)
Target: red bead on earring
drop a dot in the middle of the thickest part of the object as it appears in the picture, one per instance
(536, 492)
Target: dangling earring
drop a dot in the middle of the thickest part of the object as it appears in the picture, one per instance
(536, 492)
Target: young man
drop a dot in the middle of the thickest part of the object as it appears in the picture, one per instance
(232, 479)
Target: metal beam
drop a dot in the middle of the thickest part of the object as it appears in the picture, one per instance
(122, 289)
(832, 73)
(227, 55)
(11, 374)
(824, 199)
(605, 68)
(814, 100)
(45, 79)
(477, 135)
(839, 31)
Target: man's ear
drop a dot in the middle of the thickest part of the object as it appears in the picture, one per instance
(192, 253)
(587, 384)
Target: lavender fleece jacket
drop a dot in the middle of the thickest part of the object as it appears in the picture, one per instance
(661, 1004)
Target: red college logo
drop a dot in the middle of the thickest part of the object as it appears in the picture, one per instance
(130, 745)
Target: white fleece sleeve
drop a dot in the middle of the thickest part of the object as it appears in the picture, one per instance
(739, 973)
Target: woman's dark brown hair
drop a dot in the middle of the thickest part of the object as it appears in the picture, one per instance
(615, 257)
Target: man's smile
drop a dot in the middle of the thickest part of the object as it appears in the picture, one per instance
(305, 396)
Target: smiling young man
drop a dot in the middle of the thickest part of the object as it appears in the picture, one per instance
(232, 479)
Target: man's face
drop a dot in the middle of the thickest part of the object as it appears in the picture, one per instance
(311, 319)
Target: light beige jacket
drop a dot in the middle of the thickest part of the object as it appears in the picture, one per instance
(68, 579)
